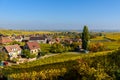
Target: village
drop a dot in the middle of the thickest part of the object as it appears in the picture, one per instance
(59, 40)
(17, 49)
(43, 56)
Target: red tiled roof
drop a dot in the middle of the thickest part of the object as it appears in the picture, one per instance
(33, 45)
(12, 48)
(5, 40)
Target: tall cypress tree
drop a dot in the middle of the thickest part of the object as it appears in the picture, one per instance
(85, 38)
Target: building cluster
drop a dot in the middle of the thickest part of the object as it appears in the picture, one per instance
(32, 43)
(15, 50)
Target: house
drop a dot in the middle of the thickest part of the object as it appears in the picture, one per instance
(4, 40)
(32, 46)
(69, 41)
(13, 50)
(25, 39)
(77, 40)
(57, 40)
(50, 41)
(39, 39)
(18, 38)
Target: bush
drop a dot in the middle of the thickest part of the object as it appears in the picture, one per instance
(3, 56)
(74, 46)
(57, 48)
(95, 47)
(14, 60)
(28, 54)
(45, 48)
(15, 42)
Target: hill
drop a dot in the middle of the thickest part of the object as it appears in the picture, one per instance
(69, 66)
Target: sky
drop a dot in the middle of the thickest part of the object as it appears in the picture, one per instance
(60, 14)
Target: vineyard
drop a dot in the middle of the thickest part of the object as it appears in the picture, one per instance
(94, 66)
(110, 40)
(114, 35)
(70, 65)
(23, 32)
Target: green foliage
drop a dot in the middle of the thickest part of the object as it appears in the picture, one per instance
(28, 54)
(3, 56)
(85, 38)
(57, 48)
(117, 73)
(32, 56)
(54, 48)
(19, 43)
(15, 42)
(75, 45)
(14, 60)
(45, 48)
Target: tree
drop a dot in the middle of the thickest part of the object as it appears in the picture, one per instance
(45, 48)
(15, 42)
(75, 46)
(3, 56)
(57, 48)
(28, 54)
(85, 38)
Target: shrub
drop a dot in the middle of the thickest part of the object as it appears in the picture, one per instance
(3, 56)
(57, 48)
(95, 47)
(14, 60)
(45, 48)
(28, 54)
(74, 46)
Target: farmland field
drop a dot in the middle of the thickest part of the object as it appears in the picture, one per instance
(113, 35)
(23, 32)
(111, 40)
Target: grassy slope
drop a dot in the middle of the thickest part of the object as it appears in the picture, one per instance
(94, 65)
